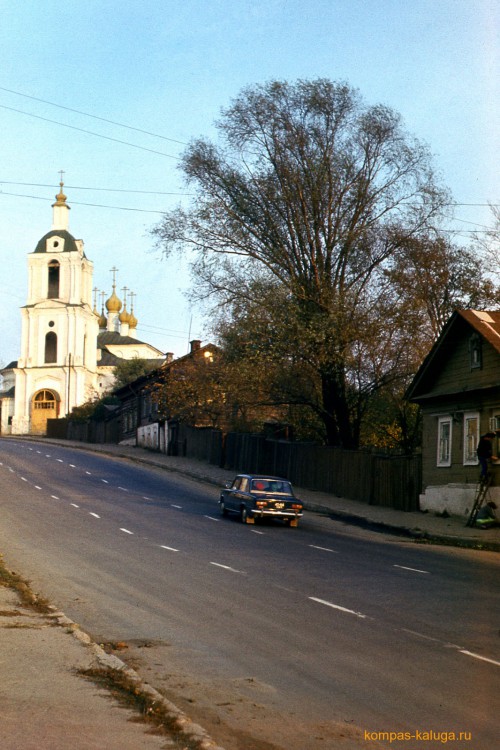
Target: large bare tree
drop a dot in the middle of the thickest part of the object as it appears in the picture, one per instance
(313, 189)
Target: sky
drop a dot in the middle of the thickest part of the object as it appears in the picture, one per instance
(165, 69)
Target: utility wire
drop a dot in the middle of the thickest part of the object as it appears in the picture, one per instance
(95, 117)
(79, 187)
(91, 132)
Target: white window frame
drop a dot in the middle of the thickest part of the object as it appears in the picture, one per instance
(471, 439)
(444, 458)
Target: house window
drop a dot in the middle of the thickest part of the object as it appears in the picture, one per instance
(476, 354)
(471, 437)
(444, 441)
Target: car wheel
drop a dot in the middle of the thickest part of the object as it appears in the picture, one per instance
(222, 507)
(245, 518)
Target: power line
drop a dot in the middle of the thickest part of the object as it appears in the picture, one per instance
(95, 117)
(80, 187)
(91, 132)
(93, 205)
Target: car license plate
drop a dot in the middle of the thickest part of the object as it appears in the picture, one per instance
(279, 505)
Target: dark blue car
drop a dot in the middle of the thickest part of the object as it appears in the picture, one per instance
(253, 496)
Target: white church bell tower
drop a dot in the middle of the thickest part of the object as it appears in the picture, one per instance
(57, 369)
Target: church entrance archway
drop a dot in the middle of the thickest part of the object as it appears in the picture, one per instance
(44, 405)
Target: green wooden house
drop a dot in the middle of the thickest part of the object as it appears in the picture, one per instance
(458, 390)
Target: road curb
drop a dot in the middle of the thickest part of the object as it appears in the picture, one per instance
(186, 729)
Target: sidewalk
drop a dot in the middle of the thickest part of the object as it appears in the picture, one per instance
(426, 527)
(45, 704)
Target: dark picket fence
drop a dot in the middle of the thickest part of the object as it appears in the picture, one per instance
(390, 481)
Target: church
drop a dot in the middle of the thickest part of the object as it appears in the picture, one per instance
(68, 348)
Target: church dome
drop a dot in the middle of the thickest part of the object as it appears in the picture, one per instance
(113, 304)
(124, 316)
(45, 245)
(132, 320)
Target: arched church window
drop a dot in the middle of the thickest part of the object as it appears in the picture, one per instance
(53, 286)
(50, 347)
(44, 400)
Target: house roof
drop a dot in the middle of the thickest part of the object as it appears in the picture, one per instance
(9, 393)
(484, 322)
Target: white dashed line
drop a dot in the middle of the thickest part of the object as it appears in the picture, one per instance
(37, 487)
(24, 479)
(126, 531)
(47, 455)
(74, 505)
(73, 466)
(179, 507)
(105, 481)
(89, 473)
(324, 549)
(123, 488)
(481, 658)
(337, 606)
(54, 497)
(211, 518)
(94, 514)
(225, 567)
(256, 531)
(60, 460)
(170, 549)
(413, 570)
(145, 498)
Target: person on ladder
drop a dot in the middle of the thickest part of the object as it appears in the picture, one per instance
(485, 453)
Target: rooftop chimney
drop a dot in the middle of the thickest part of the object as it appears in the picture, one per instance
(195, 345)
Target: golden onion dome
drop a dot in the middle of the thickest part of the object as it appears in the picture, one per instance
(132, 320)
(114, 304)
(103, 321)
(124, 316)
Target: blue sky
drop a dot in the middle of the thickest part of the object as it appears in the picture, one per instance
(167, 67)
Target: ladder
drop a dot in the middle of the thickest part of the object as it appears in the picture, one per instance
(482, 491)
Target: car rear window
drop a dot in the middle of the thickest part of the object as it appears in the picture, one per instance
(275, 486)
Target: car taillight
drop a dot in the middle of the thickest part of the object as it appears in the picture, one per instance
(261, 503)
(296, 506)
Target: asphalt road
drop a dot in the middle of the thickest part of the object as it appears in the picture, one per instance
(330, 629)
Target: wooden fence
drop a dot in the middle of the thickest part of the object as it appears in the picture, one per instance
(390, 481)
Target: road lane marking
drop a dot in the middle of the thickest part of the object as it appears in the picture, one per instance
(211, 518)
(94, 514)
(256, 531)
(89, 473)
(170, 549)
(47, 455)
(145, 498)
(37, 487)
(126, 531)
(54, 497)
(176, 506)
(74, 505)
(482, 658)
(73, 466)
(24, 479)
(60, 460)
(225, 567)
(414, 570)
(105, 481)
(337, 606)
(123, 488)
(324, 549)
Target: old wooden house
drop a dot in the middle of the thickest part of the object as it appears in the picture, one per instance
(458, 390)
